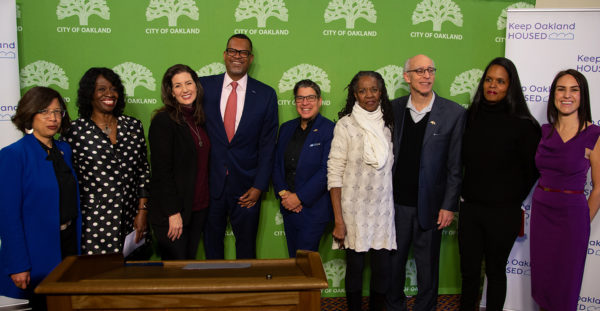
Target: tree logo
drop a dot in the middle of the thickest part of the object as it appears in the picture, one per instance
(394, 79)
(43, 73)
(134, 75)
(437, 11)
(335, 270)
(262, 10)
(466, 82)
(278, 218)
(501, 24)
(411, 272)
(83, 9)
(301, 72)
(350, 10)
(171, 9)
(211, 69)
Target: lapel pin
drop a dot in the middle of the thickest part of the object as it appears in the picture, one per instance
(432, 122)
(315, 130)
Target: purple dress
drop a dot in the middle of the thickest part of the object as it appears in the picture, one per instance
(560, 221)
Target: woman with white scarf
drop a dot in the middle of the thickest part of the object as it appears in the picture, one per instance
(359, 174)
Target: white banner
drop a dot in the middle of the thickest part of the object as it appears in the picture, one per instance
(542, 42)
(9, 69)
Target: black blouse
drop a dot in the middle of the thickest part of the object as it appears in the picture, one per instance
(67, 186)
(292, 153)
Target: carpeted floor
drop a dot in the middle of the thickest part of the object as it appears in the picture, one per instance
(445, 303)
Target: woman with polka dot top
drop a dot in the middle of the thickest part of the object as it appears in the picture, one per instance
(109, 156)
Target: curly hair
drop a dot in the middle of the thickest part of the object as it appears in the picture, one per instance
(386, 105)
(171, 106)
(584, 112)
(34, 100)
(87, 86)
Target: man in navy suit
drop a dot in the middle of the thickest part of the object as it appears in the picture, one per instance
(427, 179)
(242, 150)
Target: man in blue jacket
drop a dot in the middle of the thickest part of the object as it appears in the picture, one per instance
(241, 122)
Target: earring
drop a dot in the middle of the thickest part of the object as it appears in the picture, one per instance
(28, 131)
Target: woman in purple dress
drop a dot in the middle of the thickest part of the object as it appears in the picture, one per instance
(561, 215)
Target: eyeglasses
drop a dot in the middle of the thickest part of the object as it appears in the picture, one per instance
(421, 71)
(233, 52)
(310, 98)
(58, 113)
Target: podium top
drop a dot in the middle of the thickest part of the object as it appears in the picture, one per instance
(109, 274)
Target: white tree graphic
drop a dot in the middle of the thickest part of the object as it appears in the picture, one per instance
(501, 24)
(278, 218)
(394, 79)
(335, 270)
(466, 82)
(211, 69)
(262, 10)
(171, 9)
(83, 9)
(437, 11)
(43, 73)
(350, 10)
(411, 271)
(134, 75)
(301, 72)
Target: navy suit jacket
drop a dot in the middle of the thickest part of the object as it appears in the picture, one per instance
(440, 172)
(29, 213)
(248, 158)
(311, 171)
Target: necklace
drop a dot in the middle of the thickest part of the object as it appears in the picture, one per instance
(107, 127)
(196, 133)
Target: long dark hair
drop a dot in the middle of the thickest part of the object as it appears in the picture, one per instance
(171, 106)
(87, 86)
(517, 106)
(32, 102)
(584, 112)
(386, 106)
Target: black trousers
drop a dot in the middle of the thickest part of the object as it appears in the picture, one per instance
(485, 233)
(380, 276)
(186, 246)
(426, 250)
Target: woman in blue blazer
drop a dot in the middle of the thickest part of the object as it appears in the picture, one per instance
(40, 222)
(300, 171)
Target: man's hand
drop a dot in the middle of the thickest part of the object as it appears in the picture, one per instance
(249, 198)
(444, 219)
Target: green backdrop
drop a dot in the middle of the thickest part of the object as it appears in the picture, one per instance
(327, 41)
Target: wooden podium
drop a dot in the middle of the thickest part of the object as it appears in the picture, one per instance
(106, 282)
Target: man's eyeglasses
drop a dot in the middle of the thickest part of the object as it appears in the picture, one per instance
(421, 71)
(58, 113)
(233, 52)
(310, 98)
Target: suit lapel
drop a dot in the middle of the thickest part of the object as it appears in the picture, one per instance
(216, 107)
(312, 136)
(434, 119)
(249, 100)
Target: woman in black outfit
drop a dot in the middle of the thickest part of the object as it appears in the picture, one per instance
(179, 150)
(499, 145)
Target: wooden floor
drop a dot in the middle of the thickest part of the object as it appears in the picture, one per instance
(445, 303)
